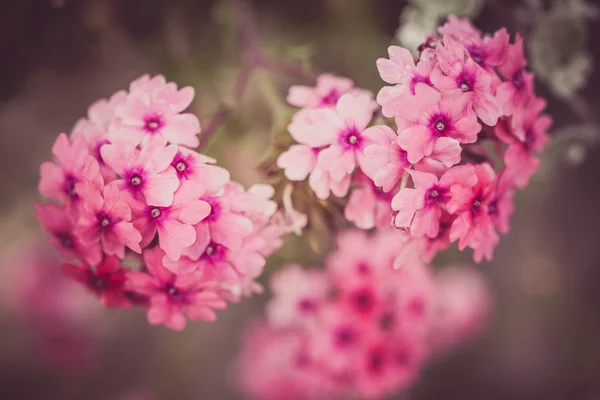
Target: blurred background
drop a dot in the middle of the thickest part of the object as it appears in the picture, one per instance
(58, 56)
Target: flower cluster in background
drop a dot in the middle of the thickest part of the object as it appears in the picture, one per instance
(468, 132)
(143, 219)
(358, 329)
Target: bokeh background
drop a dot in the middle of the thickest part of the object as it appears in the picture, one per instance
(58, 56)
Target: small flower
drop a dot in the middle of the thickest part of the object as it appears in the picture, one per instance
(106, 281)
(432, 116)
(173, 297)
(517, 88)
(298, 161)
(421, 208)
(298, 294)
(462, 73)
(58, 222)
(326, 94)
(153, 108)
(487, 51)
(196, 167)
(105, 218)
(173, 223)
(147, 174)
(368, 206)
(73, 165)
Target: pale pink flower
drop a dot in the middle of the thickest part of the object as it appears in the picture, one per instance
(297, 295)
(487, 51)
(105, 218)
(153, 108)
(401, 71)
(517, 88)
(298, 161)
(368, 206)
(147, 173)
(420, 208)
(173, 297)
(107, 280)
(59, 224)
(174, 223)
(73, 165)
(326, 93)
(473, 226)
(461, 309)
(196, 167)
(345, 126)
(458, 71)
(323, 185)
(432, 116)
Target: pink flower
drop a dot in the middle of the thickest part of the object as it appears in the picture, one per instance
(345, 127)
(58, 222)
(389, 162)
(326, 94)
(421, 208)
(400, 70)
(153, 107)
(224, 225)
(433, 116)
(105, 218)
(196, 167)
(458, 71)
(502, 206)
(473, 226)
(73, 165)
(323, 184)
(368, 206)
(298, 295)
(146, 172)
(173, 223)
(487, 51)
(106, 281)
(298, 161)
(173, 297)
(526, 134)
(517, 88)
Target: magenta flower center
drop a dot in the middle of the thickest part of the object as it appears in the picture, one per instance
(155, 212)
(215, 209)
(69, 186)
(477, 54)
(104, 222)
(331, 98)
(66, 240)
(135, 180)
(180, 166)
(376, 361)
(210, 250)
(440, 125)
(350, 138)
(153, 123)
(345, 336)
(418, 79)
(307, 306)
(386, 322)
(363, 300)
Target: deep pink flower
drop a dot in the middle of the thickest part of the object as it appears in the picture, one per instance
(389, 162)
(421, 208)
(298, 294)
(107, 280)
(73, 165)
(146, 172)
(401, 71)
(526, 134)
(458, 71)
(58, 223)
(105, 218)
(517, 88)
(153, 108)
(326, 93)
(196, 167)
(473, 226)
(431, 116)
(173, 223)
(502, 206)
(173, 297)
(487, 51)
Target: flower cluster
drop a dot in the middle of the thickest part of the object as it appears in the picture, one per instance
(469, 130)
(128, 182)
(467, 105)
(359, 329)
(330, 131)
